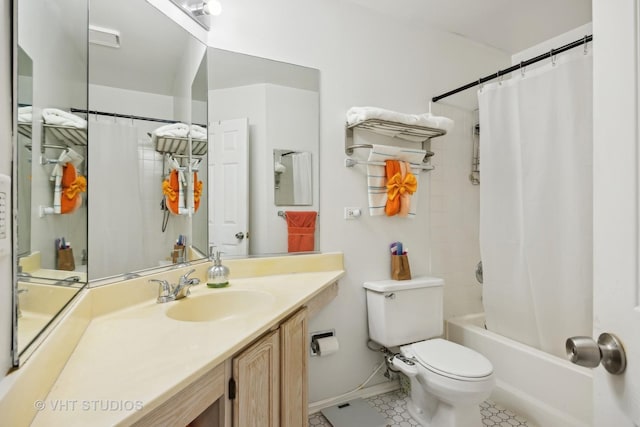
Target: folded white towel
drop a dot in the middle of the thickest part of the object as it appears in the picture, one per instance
(198, 132)
(377, 179)
(179, 130)
(53, 116)
(25, 114)
(357, 115)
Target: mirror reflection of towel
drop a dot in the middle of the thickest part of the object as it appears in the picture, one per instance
(301, 226)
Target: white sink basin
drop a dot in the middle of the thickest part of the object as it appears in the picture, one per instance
(220, 305)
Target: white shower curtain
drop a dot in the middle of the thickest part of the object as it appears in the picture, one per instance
(302, 189)
(116, 244)
(536, 204)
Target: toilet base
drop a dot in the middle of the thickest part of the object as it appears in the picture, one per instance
(429, 411)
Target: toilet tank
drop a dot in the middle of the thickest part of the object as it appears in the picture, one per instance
(404, 311)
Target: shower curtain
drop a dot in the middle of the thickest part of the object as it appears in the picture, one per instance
(302, 190)
(536, 204)
(115, 213)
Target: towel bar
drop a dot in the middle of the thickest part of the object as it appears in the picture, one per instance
(348, 162)
(283, 214)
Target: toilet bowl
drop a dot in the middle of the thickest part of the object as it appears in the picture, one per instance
(450, 383)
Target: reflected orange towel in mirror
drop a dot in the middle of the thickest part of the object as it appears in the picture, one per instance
(171, 188)
(301, 228)
(72, 185)
(197, 191)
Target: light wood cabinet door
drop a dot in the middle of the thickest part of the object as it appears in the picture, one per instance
(293, 371)
(257, 375)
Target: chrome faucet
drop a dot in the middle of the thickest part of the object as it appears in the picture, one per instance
(167, 292)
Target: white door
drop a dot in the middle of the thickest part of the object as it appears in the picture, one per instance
(616, 206)
(229, 186)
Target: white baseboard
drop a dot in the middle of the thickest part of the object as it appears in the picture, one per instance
(385, 387)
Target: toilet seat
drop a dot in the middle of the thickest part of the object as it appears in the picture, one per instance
(450, 360)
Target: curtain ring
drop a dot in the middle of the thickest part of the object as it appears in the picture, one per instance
(500, 76)
(553, 58)
(480, 84)
(521, 68)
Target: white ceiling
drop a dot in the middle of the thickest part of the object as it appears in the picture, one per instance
(508, 25)
(152, 44)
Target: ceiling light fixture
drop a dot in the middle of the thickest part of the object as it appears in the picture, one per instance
(207, 7)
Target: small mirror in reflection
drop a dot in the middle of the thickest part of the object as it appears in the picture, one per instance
(292, 177)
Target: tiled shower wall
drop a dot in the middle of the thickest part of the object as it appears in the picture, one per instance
(455, 214)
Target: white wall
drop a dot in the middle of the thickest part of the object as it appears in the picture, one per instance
(364, 58)
(6, 286)
(292, 123)
(455, 214)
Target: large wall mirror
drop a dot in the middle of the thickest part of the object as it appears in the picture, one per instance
(155, 177)
(145, 148)
(272, 110)
(51, 166)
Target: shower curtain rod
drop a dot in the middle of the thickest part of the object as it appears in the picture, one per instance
(126, 116)
(580, 42)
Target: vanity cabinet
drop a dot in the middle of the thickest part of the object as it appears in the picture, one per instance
(270, 378)
(256, 374)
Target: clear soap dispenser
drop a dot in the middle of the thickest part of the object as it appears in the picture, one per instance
(217, 274)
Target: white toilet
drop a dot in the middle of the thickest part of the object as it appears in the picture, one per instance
(448, 381)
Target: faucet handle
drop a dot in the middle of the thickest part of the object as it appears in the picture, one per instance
(164, 290)
(185, 277)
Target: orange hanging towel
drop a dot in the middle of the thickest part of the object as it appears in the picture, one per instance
(171, 189)
(72, 185)
(400, 187)
(301, 226)
(197, 191)
(392, 172)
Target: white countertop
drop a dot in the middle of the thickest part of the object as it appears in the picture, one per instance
(130, 361)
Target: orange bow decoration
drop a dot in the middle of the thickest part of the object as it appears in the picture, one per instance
(168, 191)
(79, 185)
(397, 186)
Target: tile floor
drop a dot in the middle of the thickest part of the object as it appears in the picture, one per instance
(393, 406)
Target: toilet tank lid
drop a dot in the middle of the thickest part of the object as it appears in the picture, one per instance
(403, 285)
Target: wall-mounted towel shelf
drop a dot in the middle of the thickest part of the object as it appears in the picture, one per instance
(66, 135)
(25, 129)
(178, 145)
(413, 133)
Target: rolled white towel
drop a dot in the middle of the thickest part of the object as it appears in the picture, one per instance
(54, 116)
(198, 132)
(173, 129)
(25, 114)
(357, 115)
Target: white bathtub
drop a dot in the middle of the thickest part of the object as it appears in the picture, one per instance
(547, 390)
